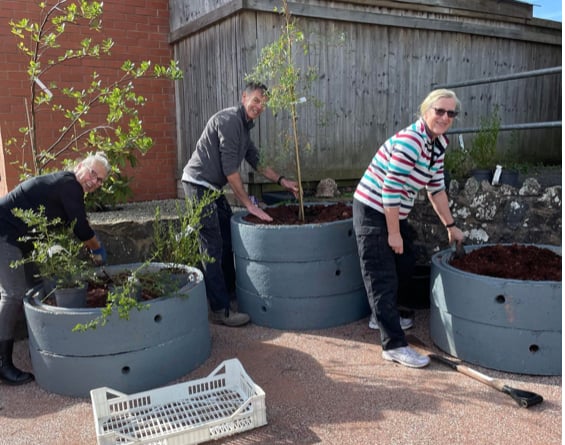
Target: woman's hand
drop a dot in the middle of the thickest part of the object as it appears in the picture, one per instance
(395, 242)
(455, 235)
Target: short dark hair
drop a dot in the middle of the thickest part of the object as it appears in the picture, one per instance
(252, 86)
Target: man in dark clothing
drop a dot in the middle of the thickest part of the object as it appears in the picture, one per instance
(62, 196)
(222, 147)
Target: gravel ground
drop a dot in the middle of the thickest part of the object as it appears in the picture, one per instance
(326, 386)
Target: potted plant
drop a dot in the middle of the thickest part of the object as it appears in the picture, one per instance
(483, 147)
(481, 160)
(305, 275)
(59, 257)
(127, 344)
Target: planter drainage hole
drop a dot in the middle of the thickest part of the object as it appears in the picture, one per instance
(534, 348)
(500, 299)
(337, 273)
(157, 318)
(125, 370)
(350, 233)
(263, 308)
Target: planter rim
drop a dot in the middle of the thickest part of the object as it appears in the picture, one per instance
(239, 215)
(32, 296)
(442, 259)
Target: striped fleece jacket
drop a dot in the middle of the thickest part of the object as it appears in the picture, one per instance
(402, 166)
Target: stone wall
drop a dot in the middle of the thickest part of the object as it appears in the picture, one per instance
(491, 214)
(530, 213)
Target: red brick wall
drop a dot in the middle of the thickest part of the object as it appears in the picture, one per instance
(140, 30)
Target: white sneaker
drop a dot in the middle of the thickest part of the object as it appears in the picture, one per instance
(406, 356)
(405, 323)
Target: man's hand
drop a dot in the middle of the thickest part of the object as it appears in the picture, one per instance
(259, 213)
(291, 185)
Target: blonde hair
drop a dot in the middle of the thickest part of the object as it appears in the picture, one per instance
(436, 95)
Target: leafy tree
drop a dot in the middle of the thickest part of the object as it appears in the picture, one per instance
(277, 68)
(118, 132)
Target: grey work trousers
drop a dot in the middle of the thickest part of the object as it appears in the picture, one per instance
(14, 282)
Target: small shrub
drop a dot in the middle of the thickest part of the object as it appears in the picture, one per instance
(483, 146)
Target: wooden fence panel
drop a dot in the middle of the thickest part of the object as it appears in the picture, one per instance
(370, 85)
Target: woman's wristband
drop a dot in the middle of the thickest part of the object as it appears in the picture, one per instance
(279, 181)
(450, 225)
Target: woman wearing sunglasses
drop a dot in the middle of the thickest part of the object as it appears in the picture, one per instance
(407, 162)
(62, 196)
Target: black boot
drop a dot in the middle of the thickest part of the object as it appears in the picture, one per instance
(8, 372)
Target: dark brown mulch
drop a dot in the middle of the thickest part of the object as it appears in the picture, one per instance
(313, 214)
(514, 261)
(97, 292)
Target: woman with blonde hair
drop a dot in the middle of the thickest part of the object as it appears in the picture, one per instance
(410, 160)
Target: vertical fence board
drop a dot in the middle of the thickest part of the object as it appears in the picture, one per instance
(370, 85)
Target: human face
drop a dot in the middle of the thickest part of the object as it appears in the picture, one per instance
(91, 177)
(254, 103)
(437, 124)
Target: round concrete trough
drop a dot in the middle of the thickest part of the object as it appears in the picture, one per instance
(504, 324)
(152, 348)
(298, 276)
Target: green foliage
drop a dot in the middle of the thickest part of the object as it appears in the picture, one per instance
(116, 189)
(118, 132)
(277, 68)
(58, 254)
(457, 163)
(178, 241)
(483, 146)
(175, 242)
(122, 299)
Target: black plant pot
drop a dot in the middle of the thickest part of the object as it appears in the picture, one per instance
(482, 175)
(509, 177)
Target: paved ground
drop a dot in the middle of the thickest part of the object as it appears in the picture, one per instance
(325, 387)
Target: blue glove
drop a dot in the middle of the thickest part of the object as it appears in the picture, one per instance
(99, 255)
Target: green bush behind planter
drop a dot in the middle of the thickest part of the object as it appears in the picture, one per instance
(155, 346)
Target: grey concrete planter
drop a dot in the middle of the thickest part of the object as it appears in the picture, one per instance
(151, 349)
(504, 324)
(298, 276)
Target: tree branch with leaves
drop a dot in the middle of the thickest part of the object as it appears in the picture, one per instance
(118, 132)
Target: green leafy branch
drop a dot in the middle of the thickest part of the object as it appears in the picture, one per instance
(177, 241)
(117, 129)
(58, 254)
(277, 68)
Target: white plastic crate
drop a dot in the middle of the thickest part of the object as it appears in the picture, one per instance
(224, 403)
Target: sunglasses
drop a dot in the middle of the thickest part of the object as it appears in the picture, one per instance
(450, 113)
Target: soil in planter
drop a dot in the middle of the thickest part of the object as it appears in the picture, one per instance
(313, 214)
(512, 261)
(97, 293)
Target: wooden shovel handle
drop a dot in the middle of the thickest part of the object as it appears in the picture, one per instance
(523, 398)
